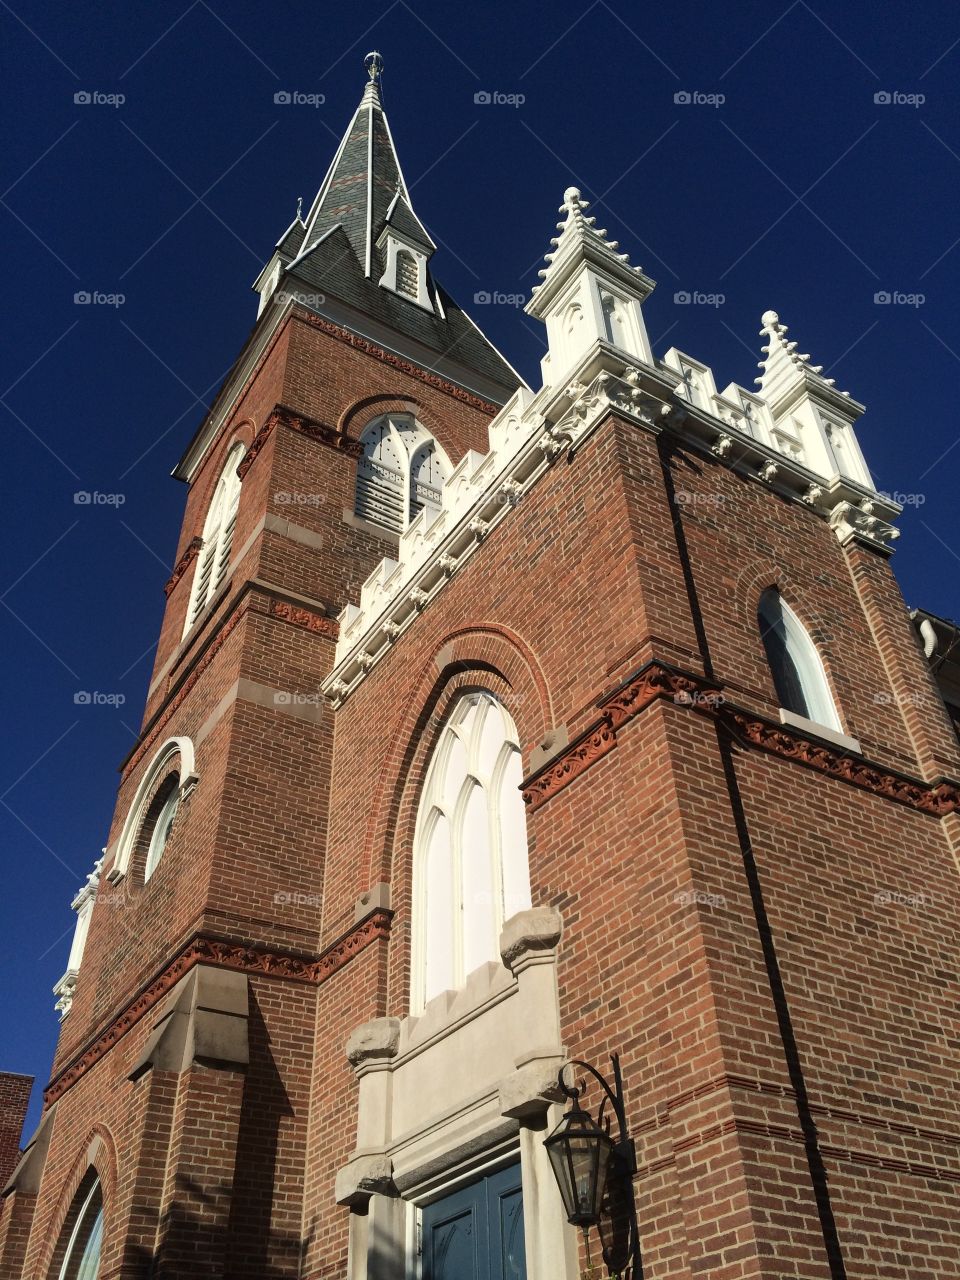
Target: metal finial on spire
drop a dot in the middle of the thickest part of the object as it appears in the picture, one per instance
(374, 64)
(299, 208)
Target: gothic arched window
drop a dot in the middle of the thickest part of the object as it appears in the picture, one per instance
(614, 329)
(214, 559)
(81, 1260)
(798, 673)
(402, 469)
(470, 847)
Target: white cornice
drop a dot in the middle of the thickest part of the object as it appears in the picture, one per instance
(528, 434)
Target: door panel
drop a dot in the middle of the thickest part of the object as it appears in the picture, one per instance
(477, 1232)
(505, 1216)
(454, 1247)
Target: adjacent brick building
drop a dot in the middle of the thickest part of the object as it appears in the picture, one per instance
(492, 728)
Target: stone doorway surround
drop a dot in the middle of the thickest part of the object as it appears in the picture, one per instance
(454, 1091)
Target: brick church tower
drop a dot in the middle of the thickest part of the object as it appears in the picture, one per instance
(492, 728)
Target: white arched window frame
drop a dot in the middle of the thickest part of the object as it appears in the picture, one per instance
(175, 756)
(471, 871)
(81, 1260)
(799, 676)
(217, 538)
(402, 469)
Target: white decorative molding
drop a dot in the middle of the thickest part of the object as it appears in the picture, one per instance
(435, 1082)
(82, 904)
(825, 731)
(797, 431)
(859, 522)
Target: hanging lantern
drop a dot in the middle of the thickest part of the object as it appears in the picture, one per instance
(580, 1153)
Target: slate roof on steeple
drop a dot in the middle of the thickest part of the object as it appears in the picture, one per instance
(334, 248)
(401, 217)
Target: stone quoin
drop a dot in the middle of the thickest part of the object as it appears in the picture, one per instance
(492, 727)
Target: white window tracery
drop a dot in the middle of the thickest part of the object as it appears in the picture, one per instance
(174, 761)
(471, 870)
(214, 559)
(402, 470)
(162, 826)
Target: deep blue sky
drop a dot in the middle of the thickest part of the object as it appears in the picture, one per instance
(799, 193)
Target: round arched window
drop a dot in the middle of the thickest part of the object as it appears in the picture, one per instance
(160, 819)
(81, 1260)
(798, 673)
(402, 470)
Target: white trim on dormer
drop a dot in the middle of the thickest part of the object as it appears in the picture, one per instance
(398, 195)
(394, 244)
(305, 253)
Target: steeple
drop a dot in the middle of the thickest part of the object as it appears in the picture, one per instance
(362, 246)
(364, 185)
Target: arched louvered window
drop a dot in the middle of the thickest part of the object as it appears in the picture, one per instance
(402, 469)
(470, 847)
(408, 282)
(798, 673)
(214, 559)
(81, 1260)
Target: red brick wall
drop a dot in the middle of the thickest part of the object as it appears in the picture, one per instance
(727, 923)
(772, 951)
(212, 1163)
(14, 1100)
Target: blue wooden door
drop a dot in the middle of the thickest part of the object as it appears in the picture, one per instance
(477, 1232)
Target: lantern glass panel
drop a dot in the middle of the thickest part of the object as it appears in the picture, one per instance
(580, 1154)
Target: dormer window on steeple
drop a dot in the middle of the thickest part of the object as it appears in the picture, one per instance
(402, 470)
(405, 268)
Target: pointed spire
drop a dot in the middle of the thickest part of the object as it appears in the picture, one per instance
(588, 293)
(363, 180)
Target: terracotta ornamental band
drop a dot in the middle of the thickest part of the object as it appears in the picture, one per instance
(656, 681)
(257, 961)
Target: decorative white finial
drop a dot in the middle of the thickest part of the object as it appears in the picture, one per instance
(299, 208)
(769, 319)
(573, 202)
(374, 64)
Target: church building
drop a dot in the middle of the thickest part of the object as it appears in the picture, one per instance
(496, 729)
